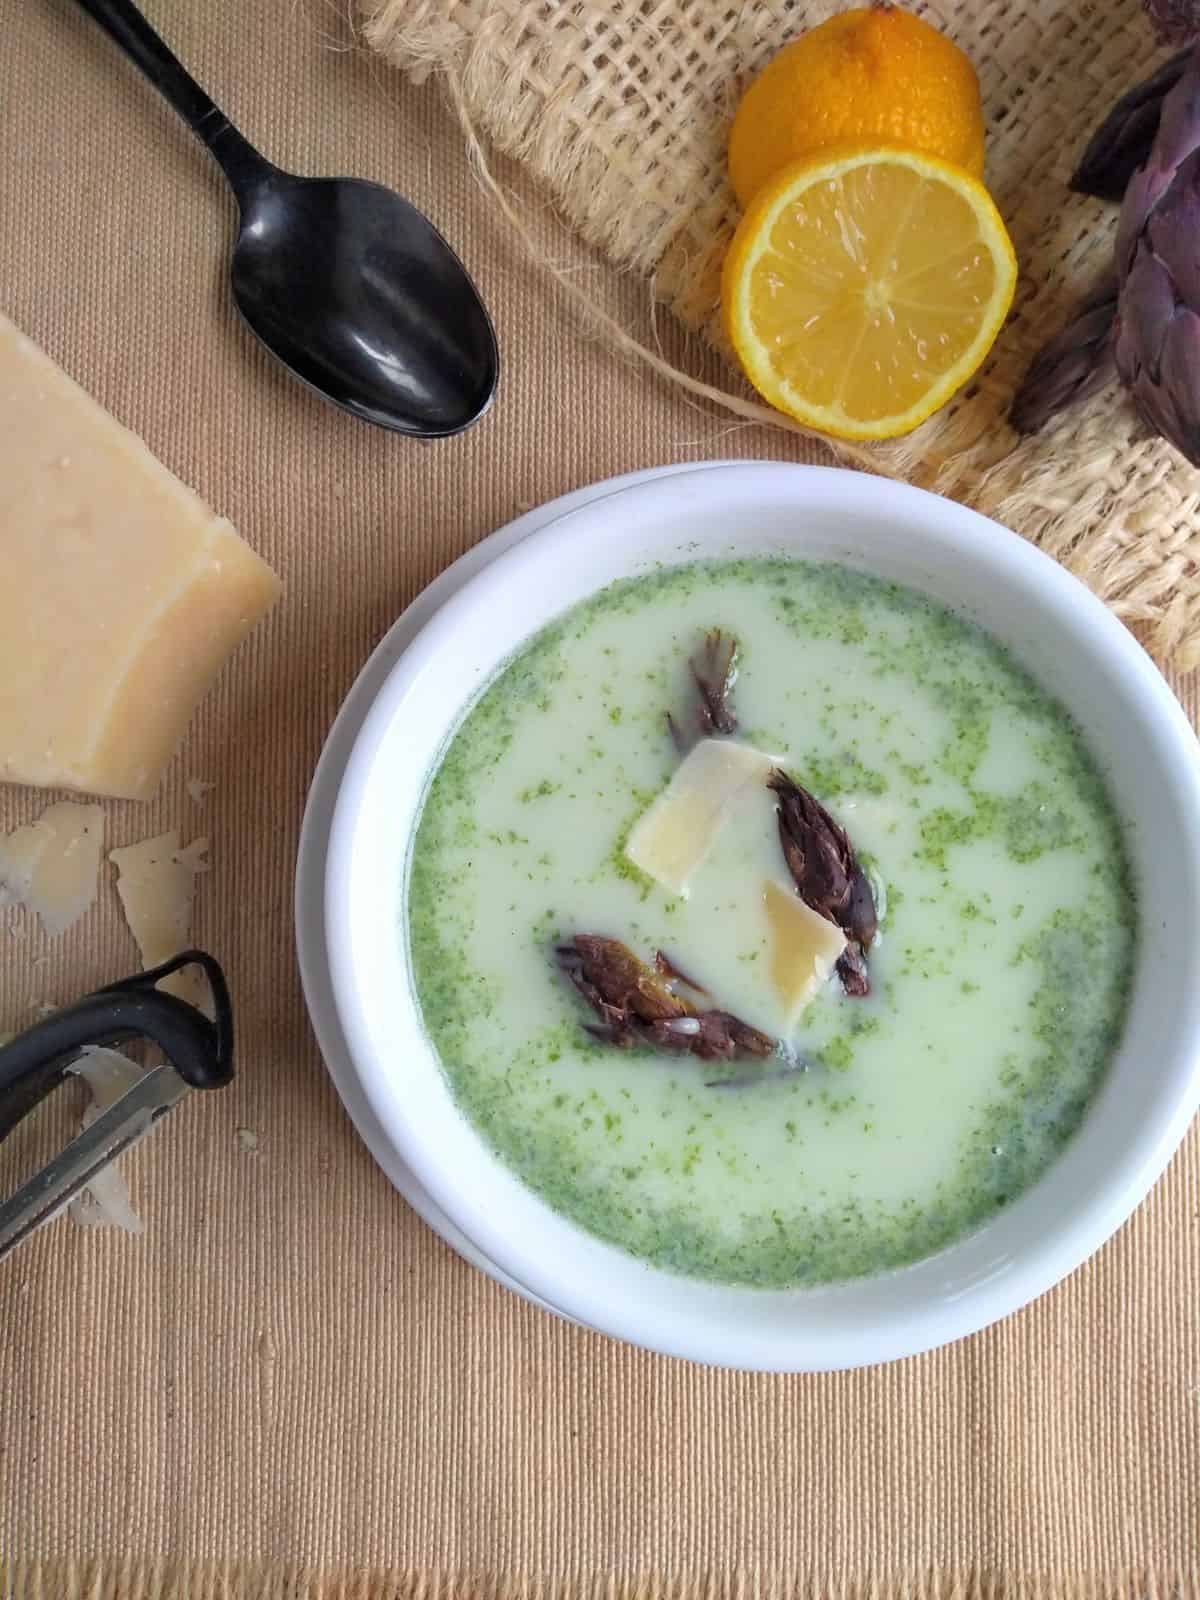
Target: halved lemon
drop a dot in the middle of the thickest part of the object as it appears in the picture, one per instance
(863, 287)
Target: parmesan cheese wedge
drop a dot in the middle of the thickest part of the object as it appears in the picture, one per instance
(805, 947)
(671, 839)
(52, 865)
(123, 593)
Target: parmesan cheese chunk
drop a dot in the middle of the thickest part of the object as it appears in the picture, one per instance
(672, 838)
(123, 593)
(53, 865)
(805, 947)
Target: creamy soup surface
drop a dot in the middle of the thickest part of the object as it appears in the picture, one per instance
(887, 1126)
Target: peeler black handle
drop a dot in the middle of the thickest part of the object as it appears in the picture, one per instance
(201, 1050)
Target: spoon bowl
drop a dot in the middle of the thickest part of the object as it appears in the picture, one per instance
(345, 282)
(360, 297)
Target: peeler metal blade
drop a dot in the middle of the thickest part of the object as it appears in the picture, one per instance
(125, 1122)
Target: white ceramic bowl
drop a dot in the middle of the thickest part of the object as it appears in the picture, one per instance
(1068, 641)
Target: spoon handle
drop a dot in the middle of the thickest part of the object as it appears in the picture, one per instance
(126, 25)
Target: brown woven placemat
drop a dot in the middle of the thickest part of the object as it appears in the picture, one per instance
(289, 1389)
(620, 108)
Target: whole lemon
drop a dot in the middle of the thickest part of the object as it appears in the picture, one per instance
(874, 73)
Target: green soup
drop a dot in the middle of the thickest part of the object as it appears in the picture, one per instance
(998, 980)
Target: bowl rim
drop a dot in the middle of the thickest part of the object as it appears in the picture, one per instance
(1058, 1250)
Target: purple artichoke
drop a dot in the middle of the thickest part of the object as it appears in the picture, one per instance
(1122, 142)
(637, 1004)
(1074, 364)
(827, 875)
(1175, 21)
(714, 667)
(1157, 329)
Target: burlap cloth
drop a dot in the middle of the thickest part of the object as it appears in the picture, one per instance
(621, 108)
(288, 1386)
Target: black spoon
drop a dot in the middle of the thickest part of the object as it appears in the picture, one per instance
(350, 286)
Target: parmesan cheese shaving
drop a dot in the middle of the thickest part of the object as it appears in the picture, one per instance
(673, 837)
(805, 947)
(105, 1202)
(156, 882)
(52, 865)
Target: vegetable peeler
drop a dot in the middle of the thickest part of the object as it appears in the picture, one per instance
(199, 1055)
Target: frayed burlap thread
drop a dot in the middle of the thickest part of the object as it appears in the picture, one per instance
(166, 1580)
(620, 110)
